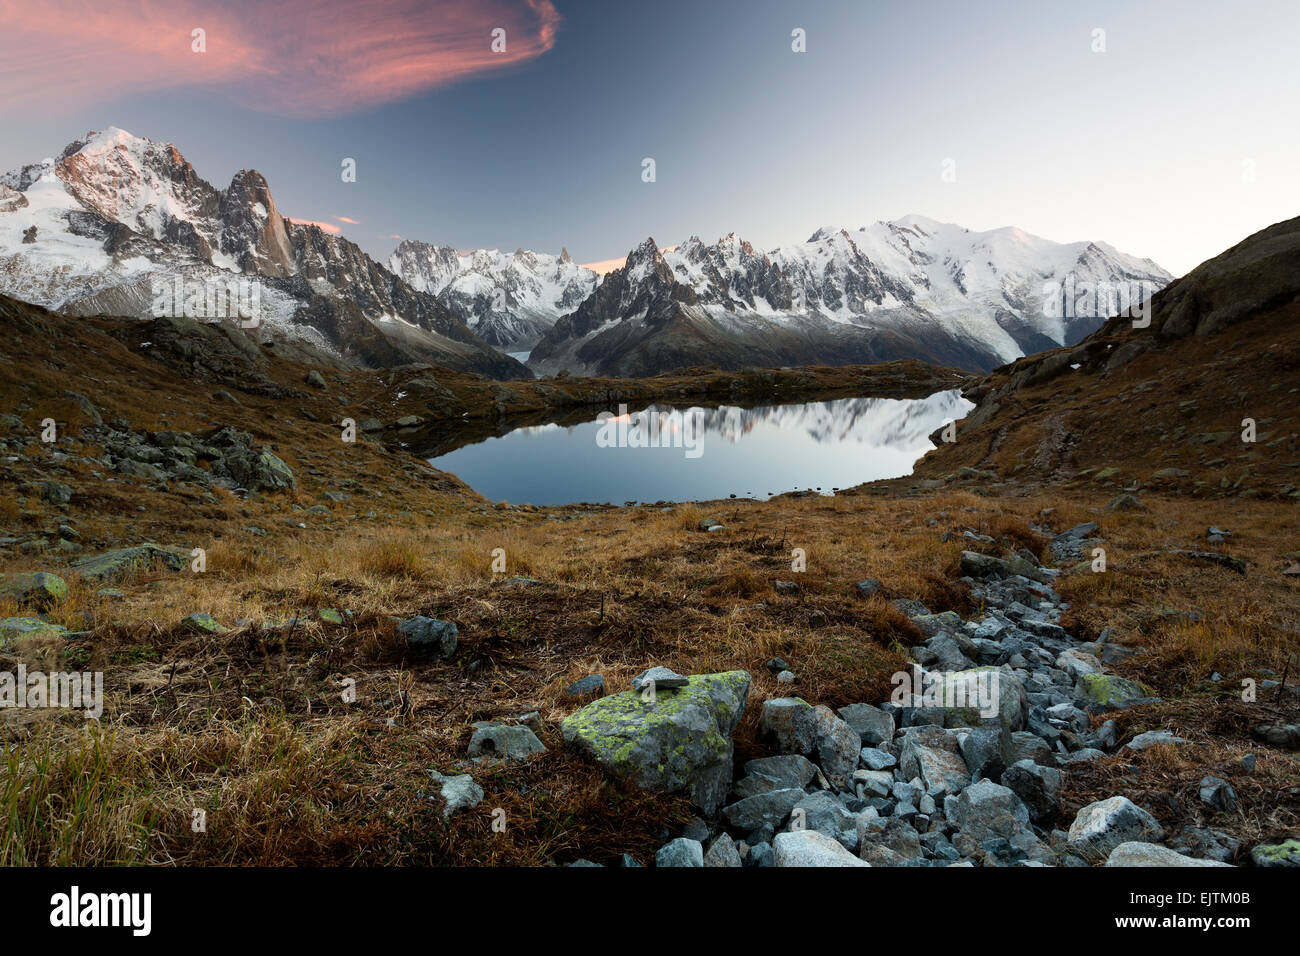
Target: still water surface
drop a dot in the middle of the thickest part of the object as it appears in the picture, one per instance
(697, 454)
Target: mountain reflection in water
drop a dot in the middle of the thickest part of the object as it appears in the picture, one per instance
(748, 452)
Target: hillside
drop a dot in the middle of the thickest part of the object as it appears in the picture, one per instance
(1163, 407)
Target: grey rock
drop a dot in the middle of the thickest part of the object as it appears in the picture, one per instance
(506, 741)
(722, 852)
(791, 725)
(820, 811)
(590, 686)
(118, 564)
(933, 755)
(1218, 794)
(786, 770)
(873, 725)
(1100, 827)
(430, 635)
(1038, 787)
(680, 852)
(660, 678)
(810, 848)
(771, 808)
(1285, 853)
(874, 759)
(869, 588)
(760, 855)
(1154, 738)
(1126, 502)
(458, 793)
(986, 810)
(1152, 854)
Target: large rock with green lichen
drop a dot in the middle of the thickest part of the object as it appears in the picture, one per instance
(202, 623)
(1286, 853)
(38, 588)
(122, 562)
(15, 628)
(1108, 690)
(670, 741)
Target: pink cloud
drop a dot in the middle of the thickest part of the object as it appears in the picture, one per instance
(328, 227)
(306, 58)
(609, 265)
(350, 222)
(604, 265)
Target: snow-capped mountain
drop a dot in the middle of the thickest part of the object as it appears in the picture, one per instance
(914, 288)
(115, 218)
(509, 300)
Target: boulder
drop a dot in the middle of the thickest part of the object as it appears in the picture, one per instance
(659, 678)
(875, 849)
(787, 770)
(986, 811)
(680, 852)
(869, 588)
(121, 562)
(1100, 827)
(1155, 738)
(873, 725)
(790, 725)
(506, 741)
(931, 754)
(35, 588)
(723, 852)
(592, 685)
(430, 635)
(1107, 690)
(983, 695)
(201, 623)
(1218, 794)
(14, 628)
(679, 741)
(821, 811)
(1037, 786)
(810, 848)
(1286, 853)
(976, 565)
(771, 808)
(1153, 854)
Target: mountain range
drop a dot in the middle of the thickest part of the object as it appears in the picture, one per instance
(509, 300)
(99, 228)
(914, 288)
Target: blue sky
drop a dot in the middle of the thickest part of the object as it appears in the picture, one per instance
(1175, 143)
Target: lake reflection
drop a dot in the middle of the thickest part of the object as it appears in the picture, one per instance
(697, 454)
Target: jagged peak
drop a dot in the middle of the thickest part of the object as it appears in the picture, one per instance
(828, 232)
(648, 250)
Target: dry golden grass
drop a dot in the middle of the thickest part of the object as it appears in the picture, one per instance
(622, 589)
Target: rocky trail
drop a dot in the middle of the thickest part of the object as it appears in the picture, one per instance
(963, 766)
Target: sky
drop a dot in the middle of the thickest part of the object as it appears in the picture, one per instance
(1170, 130)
